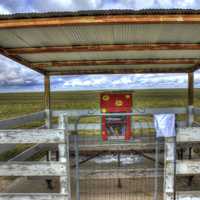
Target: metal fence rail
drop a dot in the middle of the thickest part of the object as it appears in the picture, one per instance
(114, 169)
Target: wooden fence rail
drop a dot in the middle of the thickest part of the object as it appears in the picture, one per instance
(33, 196)
(32, 168)
(175, 167)
(42, 168)
(188, 195)
(31, 136)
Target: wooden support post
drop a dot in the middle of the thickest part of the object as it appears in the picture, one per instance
(169, 169)
(119, 164)
(64, 157)
(47, 118)
(190, 178)
(48, 156)
(190, 98)
(47, 101)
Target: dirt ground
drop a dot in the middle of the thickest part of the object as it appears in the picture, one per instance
(90, 190)
(134, 189)
(4, 183)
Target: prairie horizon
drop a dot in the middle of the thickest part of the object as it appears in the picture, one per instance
(15, 104)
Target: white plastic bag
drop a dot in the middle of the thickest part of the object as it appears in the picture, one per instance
(164, 125)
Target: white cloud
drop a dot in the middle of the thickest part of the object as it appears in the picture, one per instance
(185, 3)
(4, 10)
(137, 4)
(71, 5)
(178, 3)
(124, 80)
(12, 73)
(52, 5)
(92, 81)
(166, 3)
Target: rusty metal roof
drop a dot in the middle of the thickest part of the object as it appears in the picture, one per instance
(77, 48)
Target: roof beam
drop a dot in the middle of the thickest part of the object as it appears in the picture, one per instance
(20, 61)
(93, 48)
(120, 71)
(101, 19)
(115, 62)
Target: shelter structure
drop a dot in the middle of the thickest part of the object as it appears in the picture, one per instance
(100, 42)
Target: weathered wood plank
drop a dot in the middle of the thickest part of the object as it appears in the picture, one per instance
(145, 111)
(187, 167)
(64, 157)
(169, 168)
(119, 173)
(47, 101)
(188, 195)
(22, 120)
(26, 136)
(33, 196)
(32, 168)
(64, 179)
(188, 134)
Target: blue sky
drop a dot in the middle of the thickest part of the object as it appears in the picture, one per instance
(15, 77)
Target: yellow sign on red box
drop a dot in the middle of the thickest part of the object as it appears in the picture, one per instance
(116, 102)
(119, 103)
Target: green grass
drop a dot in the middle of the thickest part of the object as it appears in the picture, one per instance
(13, 152)
(16, 104)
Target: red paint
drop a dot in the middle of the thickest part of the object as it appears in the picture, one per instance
(110, 104)
(116, 103)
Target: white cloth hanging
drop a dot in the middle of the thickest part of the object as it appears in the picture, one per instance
(164, 125)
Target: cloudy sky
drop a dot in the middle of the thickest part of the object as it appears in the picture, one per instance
(15, 77)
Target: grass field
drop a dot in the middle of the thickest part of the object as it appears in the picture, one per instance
(15, 104)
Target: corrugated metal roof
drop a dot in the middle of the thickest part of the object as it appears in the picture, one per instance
(99, 12)
(103, 34)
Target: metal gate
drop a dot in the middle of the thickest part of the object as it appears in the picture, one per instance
(116, 169)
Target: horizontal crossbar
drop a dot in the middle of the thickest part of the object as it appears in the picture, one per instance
(188, 134)
(187, 167)
(33, 196)
(30, 136)
(32, 169)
